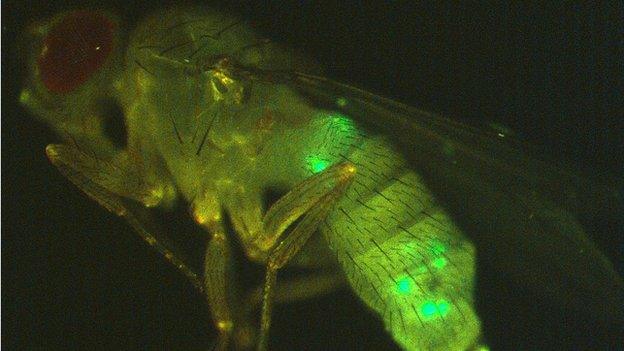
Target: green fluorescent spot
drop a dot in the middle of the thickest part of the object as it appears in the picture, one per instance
(437, 248)
(431, 309)
(428, 309)
(404, 286)
(443, 307)
(439, 262)
(341, 102)
(317, 164)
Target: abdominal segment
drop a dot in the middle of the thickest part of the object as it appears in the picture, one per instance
(402, 253)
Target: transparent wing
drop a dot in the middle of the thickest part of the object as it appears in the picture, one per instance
(523, 215)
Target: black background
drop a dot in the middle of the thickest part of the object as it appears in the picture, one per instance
(76, 277)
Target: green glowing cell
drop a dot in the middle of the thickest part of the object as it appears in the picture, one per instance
(439, 262)
(316, 164)
(428, 309)
(438, 248)
(404, 286)
(443, 307)
(431, 309)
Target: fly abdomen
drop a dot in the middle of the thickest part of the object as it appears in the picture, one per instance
(402, 253)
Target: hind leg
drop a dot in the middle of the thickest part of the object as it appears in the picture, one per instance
(310, 201)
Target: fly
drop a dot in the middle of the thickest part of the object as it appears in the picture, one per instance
(216, 115)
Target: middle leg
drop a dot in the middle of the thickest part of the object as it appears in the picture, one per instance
(222, 293)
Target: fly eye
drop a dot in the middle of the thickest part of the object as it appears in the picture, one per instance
(74, 49)
(114, 122)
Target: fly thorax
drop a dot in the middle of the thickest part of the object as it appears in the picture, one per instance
(226, 88)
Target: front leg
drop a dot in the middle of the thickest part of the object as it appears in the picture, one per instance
(112, 184)
(311, 200)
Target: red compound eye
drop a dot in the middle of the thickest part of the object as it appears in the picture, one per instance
(74, 50)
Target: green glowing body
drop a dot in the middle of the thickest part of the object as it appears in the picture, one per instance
(399, 249)
(215, 117)
(402, 254)
(218, 141)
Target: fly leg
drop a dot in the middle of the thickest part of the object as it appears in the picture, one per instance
(298, 289)
(238, 332)
(112, 184)
(221, 290)
(310, 201)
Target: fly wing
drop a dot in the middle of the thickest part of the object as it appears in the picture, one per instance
(522, 214)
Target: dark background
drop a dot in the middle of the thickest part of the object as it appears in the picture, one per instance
(76, 277)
